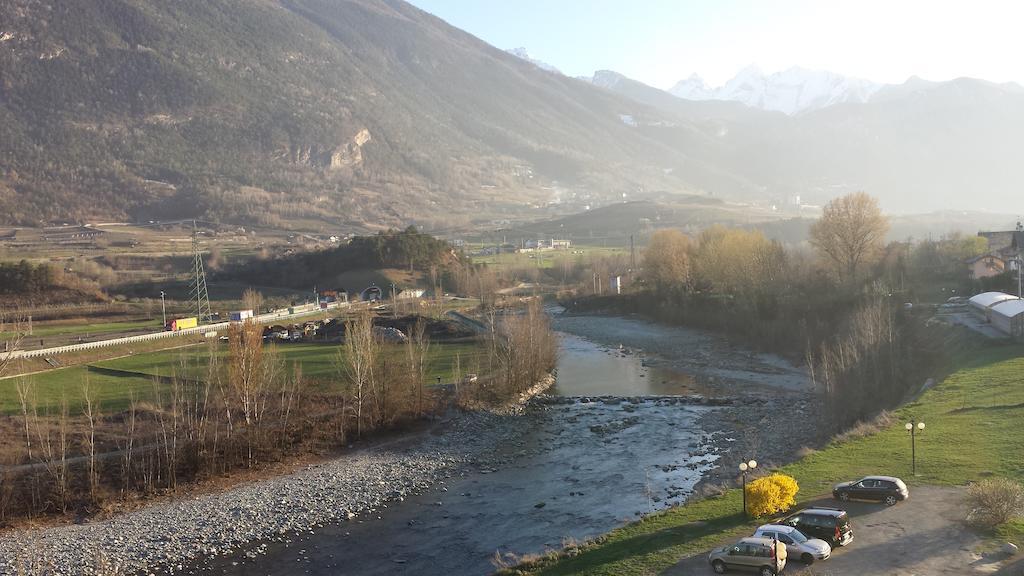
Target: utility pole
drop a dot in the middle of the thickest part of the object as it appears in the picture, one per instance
(632, 254)
(199, 291)
(163, 308)
(1020, 264)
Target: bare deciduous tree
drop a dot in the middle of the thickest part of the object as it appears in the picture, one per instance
(418, 352)
(360, 358)
(666, 263)
(850, 234)
(90, 409)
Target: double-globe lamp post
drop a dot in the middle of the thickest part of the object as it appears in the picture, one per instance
(914, 428)
(744, 468)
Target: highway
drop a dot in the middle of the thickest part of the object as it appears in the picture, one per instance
(272, 317)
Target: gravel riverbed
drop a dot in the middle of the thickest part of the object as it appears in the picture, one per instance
(167, 536)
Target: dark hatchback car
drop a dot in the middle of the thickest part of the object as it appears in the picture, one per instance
(829, 524)
(875, 488)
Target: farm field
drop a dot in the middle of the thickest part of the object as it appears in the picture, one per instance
(117, 381)
(971, 432)
(545, 258)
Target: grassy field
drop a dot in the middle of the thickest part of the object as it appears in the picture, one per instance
(82, 327)
(115, 391)
(972, 430)
(547, 258)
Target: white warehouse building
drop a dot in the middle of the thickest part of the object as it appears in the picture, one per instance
(982, 304)
(1008, 317)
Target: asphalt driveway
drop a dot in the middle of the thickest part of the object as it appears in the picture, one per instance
(923, 536)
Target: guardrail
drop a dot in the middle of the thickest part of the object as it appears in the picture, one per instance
(269, 317)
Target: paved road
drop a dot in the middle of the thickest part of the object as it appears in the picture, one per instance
(924, 536)
(268, 318)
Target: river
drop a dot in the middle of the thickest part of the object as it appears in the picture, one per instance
(583, 466)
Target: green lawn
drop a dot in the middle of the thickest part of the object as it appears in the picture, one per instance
(115, 391)
(972, 430)
(84, 329)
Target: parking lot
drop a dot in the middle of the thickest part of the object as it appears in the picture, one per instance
(923, 536)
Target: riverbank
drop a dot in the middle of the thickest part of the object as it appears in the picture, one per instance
(173, 534)
(972, 433)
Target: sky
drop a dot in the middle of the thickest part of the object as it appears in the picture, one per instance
(660, 42)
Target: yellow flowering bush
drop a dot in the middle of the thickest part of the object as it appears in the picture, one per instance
(771, 494)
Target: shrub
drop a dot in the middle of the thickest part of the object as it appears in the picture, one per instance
(995, 501)
(771, 494)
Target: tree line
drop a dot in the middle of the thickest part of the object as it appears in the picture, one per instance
(408, 248)
(838, 307)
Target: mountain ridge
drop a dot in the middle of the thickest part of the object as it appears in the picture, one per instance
(309, 113)
(790, 91)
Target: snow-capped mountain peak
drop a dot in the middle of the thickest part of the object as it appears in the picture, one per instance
(790, 91)
(693, 88)
(523, 54)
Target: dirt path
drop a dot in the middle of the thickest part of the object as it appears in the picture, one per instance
(924, 536)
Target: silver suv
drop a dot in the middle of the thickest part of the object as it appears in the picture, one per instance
(765, 555)
(800, 546)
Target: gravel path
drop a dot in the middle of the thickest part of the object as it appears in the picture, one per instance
(168, 535)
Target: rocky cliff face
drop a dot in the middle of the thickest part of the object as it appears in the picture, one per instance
(351, 153)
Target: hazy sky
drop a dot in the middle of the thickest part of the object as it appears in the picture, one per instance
(662, 41)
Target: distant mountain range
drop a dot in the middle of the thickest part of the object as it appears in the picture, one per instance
(919, 146)
(789, 91)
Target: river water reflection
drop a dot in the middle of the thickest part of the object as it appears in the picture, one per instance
(586, 368)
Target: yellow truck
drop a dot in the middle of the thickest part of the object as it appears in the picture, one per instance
(182, 323)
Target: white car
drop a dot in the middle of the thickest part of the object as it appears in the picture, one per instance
(806, 549)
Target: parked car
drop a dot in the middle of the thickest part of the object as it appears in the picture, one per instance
(876, 488)
(829, 524)
(797, 544)
(765, 555)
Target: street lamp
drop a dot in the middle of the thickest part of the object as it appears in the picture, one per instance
(744, 468)
(1020, 264)
(914, 428)
(163, 308)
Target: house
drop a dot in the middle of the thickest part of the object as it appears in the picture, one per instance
(1008, 245)
(560, 244)
(410, 293)
(985, 266)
